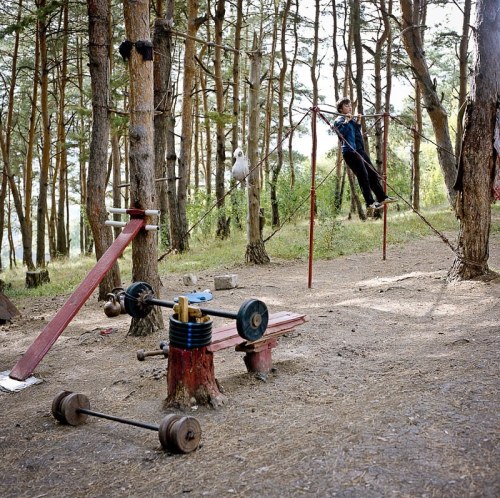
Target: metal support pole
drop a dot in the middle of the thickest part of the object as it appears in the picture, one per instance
(313, 192)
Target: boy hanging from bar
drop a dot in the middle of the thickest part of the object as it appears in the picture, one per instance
(353, 151)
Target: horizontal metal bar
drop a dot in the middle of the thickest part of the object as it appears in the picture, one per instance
(111, 223)
(147, 212)
(121, 224)
(92, 413)
(207, 311)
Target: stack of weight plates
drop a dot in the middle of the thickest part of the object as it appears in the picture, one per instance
(189, 335)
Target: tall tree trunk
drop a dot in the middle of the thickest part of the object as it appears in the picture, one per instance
(292, 92)
(98, 13)
(420, 14)
(355, 205)
(236, 76)
(463, 74)
(223, 227)
(358, 52)
(62, 247)
(162, 41)
(115, 157)
(255, 251)
(169, 203)
(208, 129)
(378, 54)
(276, 169)
(269, 106)
(181, 242)
(42, 26)
(415, 151)
(411, 33)
(388, 59)
(52, 210)
(8, 177)
(477, 162)
(338, 190)
(86, 241)
(236, 109)
(3, 196)
(141, 156)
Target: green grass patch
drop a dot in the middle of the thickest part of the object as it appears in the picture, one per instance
(332, 238)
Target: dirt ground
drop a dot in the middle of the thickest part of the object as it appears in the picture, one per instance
(390, 389)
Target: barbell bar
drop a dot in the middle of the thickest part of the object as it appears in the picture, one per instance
(251, 319)
(177, 434)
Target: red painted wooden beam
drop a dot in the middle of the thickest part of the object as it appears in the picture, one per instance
(35, 353)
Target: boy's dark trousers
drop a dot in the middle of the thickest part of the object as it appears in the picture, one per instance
(367, 177)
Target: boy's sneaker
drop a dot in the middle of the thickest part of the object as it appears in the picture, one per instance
(389, 200)
(375, 206)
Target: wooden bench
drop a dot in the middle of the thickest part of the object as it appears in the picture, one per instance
(258, 357)
(191, 373)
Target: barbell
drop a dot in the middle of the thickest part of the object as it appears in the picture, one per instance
(177, 434)
(251, 319)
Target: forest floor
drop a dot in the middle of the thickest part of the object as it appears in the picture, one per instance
(390, 389)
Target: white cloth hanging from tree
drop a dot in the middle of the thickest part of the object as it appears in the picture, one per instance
(240, 167)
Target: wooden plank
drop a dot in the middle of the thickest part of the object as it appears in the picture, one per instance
(279, 324)
(229, 330)
(35, 353)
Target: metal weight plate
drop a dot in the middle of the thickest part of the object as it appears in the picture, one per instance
(134, 300)
(252, 319)
(184, 435)
(164, 427)
(56, 406)
(70, 407)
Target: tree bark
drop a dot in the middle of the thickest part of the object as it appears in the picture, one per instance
(256, 251)
(184, 163)
(141, 157)
(162, 42)
(42, 26)
(276, 169)
(235, 136)
(415, 151)
(223, 228)
(291, 103)
(98, 13)
(411, 33)
(477, 162)
(62, 248)
(463, 74)
(191, 375)
(269, 106)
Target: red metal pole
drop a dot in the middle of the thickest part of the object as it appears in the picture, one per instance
(384, 165)
(35, 353)
(313, 193)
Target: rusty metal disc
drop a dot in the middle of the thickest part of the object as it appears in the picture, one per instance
(164, 427)
(70, 408)
(134, 302)
(184, 435)
(56, 406)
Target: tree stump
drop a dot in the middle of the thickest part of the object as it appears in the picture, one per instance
(191, 376)
(37, 278)
(7, 309)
